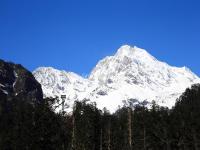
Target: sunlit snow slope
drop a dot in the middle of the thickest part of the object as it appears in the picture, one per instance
(129, 77)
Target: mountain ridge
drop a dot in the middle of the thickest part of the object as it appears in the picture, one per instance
(16, 81)
(120, 79)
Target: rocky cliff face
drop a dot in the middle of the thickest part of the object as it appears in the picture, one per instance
(16, 81)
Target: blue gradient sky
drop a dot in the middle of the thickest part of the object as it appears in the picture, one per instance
(75, 34)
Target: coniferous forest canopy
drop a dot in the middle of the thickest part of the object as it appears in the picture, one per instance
(36, 126)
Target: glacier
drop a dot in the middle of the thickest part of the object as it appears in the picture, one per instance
(131, 76)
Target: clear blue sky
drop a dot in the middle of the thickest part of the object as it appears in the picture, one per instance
(75, 34)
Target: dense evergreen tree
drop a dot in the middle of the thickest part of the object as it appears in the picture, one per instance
(86, 127)
(187, 112)
(105, 134)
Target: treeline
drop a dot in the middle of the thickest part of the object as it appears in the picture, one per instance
(26, 126)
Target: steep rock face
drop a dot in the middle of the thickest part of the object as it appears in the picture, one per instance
(129, 77)
(15, 80)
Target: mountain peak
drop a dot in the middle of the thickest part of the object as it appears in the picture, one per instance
(126, 50)
(126, 46)
(135, 54)
(131, 74)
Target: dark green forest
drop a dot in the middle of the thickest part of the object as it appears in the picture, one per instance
(26, 126)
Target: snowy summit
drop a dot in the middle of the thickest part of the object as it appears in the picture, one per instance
(129, 77)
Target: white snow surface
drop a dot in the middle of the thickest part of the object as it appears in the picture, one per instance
(129, 77)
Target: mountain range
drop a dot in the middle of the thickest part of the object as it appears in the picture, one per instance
(131, 76)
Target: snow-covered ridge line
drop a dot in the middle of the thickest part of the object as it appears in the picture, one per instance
(132, 75)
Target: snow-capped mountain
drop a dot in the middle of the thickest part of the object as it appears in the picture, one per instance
(129, 77)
